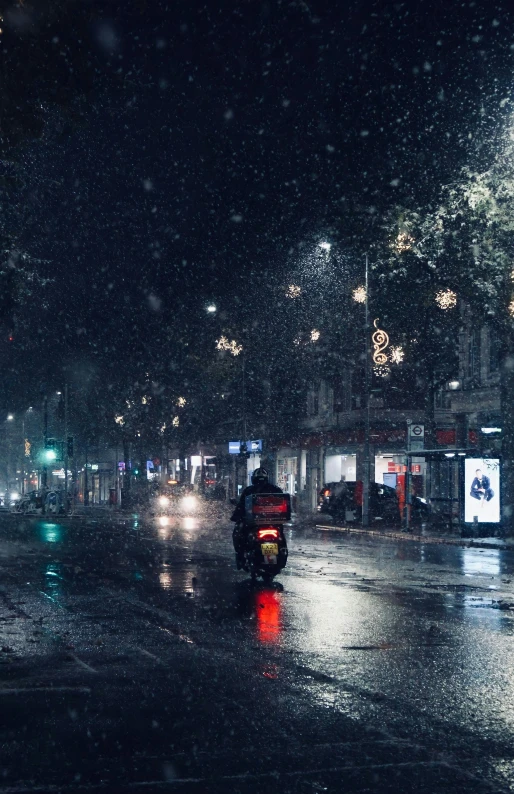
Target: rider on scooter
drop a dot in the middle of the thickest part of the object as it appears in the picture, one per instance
(260, 484)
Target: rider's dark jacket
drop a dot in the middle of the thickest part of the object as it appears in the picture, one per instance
(259, 487)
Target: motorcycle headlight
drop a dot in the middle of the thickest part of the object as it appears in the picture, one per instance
(164, 501)
(189, 502)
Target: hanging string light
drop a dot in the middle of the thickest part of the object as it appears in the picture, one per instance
(380, 341)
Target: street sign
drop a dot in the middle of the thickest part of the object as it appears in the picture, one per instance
(416, 437)
(235, 447)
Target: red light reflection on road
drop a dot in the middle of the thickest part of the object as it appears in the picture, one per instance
(268, 614)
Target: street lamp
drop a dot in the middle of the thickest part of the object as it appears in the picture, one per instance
(211, 308)
(325, 246)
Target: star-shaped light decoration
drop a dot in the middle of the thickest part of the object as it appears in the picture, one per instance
(359, 294)
(293, 291)
(403, 242)
(119, 419)
(511, 308)
(381, 370)
(396, 354)
(176, 421)
(223, 344)
(315, 335)
(446, 299)
(181, 401)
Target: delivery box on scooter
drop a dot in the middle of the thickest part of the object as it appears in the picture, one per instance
(267, 508)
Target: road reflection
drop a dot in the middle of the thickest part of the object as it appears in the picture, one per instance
(480, 563)
(268, 613)
(49, 533)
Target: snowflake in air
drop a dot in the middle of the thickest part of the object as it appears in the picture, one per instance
(446, 299)
(359, 295)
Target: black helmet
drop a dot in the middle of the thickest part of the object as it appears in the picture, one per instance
(260, 475)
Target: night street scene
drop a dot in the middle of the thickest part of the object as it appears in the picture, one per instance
(256, 396)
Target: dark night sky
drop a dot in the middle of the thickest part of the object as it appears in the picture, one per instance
(220, 137)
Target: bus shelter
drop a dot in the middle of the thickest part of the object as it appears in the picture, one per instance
(444, 485)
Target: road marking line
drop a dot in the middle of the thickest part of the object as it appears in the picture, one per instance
(84, 690)
(244, 776)
(82, 664)
(147, 653)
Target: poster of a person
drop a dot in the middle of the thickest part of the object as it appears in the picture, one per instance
(482, 489)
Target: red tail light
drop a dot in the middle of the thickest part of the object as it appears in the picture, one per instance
(267, 532)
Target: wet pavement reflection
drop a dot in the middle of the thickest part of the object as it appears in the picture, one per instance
(411, 643)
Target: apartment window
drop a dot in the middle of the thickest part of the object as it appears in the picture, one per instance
(494, 351)
(338, 396)
(474, 356)
(313, 403)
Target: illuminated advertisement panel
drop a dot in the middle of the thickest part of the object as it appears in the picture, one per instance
(482, 490)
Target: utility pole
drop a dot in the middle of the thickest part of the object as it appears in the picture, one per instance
(244, 399)
(23, 454)
(367, 390)
(86, 486)
(65, 449)
(44, 473)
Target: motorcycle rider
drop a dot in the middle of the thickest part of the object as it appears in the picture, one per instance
(260, 484)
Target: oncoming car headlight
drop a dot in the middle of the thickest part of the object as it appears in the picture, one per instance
(189, 502)
(164, 501)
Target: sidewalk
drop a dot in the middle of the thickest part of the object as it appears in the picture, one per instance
(419, 534)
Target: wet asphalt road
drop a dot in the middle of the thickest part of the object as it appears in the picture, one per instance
(135, 657)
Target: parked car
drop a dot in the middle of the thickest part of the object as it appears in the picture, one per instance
(345, 503)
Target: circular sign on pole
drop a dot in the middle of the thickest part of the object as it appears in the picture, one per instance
(417, 430)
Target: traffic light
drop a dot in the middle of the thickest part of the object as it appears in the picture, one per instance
(70, 446)
(49, 455)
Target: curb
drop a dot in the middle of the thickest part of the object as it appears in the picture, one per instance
(464, 542)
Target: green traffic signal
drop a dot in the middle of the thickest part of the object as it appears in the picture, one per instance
(50, 455)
